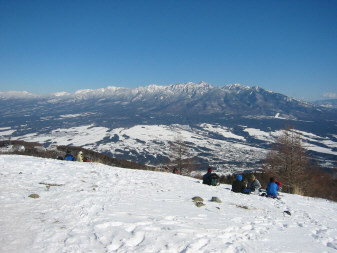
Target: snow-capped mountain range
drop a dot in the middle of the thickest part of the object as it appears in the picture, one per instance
(329, 103)
(228, 127)
(179, 99)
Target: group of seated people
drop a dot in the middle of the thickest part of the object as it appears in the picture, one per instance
(79, 157)
(241, 186)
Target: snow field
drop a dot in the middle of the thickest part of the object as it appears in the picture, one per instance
(144, 141)
(86, 207)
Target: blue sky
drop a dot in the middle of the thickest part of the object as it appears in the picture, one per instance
(284, 46)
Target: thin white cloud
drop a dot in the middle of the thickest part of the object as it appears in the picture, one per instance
(330, 95)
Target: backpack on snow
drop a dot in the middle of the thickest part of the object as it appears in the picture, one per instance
(247, 191)
(69, 158)
(214, 179)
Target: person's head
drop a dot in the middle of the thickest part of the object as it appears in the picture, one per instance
(239, 177)
(68, 152)
(253, 177)
(209, 170)
(272, 180)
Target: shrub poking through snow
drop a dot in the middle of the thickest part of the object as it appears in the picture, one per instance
(242, 206)
(34, 196)
(199, 204)
(216, 199)
(197, 199)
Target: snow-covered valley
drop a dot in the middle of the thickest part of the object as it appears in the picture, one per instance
(229, 128)
(221, 147)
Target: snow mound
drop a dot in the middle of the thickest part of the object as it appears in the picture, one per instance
(87, 207)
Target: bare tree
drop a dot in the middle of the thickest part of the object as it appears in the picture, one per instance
(180, 153)
(287, 160)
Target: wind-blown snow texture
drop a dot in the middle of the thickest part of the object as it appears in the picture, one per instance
(96, 208)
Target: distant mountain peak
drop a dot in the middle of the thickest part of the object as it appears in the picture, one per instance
(190, 86)
(17, 94)
(61, 94)
(83, 91)
(236, 86)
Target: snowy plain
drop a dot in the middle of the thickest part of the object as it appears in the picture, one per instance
(217, 144)
(88, 207)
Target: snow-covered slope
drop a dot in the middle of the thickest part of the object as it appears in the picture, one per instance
(86, 207)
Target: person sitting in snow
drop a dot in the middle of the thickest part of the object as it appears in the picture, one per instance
(272, 188)
(79, 157)
(86, 159)
(255, 184)
(69, 156)
(279, 184)
(206, 179)
(175, 171)
(210, 178)
(238, 185)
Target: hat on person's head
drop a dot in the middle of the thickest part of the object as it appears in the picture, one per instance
(209, 170)
(239, 177)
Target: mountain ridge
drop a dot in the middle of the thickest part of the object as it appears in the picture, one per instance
(130, 123)
(189, 98)
(187, 88)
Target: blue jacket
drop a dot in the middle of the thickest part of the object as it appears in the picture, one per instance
(272, 189)
(69, 157)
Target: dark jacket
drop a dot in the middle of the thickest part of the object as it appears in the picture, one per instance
(238, 186)
(206, 179)
(175, 171)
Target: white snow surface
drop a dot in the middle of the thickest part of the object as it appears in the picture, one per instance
(152, 139)
(262, 135)
(91, 207)
(224, 131)
(6, 131)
